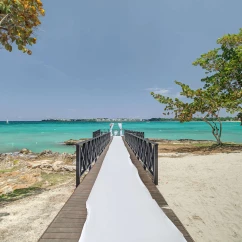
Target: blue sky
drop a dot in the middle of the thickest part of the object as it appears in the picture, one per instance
(101, 58)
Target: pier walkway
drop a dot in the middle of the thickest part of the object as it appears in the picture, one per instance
(116, 202)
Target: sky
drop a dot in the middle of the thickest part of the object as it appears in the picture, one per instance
(102, 58)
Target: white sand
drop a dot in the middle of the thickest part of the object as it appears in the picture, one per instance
(205, 192)
(25, 220)
(120, 208)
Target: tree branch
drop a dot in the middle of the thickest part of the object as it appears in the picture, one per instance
(3, 19)
(3, 28)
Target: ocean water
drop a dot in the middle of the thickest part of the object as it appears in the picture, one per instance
(39, 136)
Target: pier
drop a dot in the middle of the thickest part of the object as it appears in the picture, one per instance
(117, 200)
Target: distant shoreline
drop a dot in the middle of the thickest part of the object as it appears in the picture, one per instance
(85, 121)
(157, 140)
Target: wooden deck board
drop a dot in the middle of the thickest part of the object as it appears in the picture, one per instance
(68, 223)
(57, 240)
(156, 195)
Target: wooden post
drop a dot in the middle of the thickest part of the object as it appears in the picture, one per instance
(77, 165)
(156, 164)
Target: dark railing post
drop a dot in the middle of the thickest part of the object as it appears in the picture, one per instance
(96, 133)
(156, 164)
(77, 165)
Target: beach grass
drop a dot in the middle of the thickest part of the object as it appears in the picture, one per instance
(19, 194)
(14, 168)
(53, 179)
(48, 181)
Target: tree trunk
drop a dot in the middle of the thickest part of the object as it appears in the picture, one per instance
(241, 121)
(220, 131)
(216, 134)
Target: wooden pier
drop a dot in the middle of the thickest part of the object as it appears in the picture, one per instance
(67, 226)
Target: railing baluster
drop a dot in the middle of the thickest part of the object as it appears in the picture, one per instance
(146, 151)
(88, 151)
(137, 133)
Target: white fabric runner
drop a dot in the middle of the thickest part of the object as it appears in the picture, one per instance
(120, 208)
(111, 128)
(120, 127)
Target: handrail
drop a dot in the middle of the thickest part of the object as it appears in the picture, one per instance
(87, 152)
(96, 133)
(146, 151)
(137, 133)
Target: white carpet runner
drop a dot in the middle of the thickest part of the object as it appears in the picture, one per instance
(121, 209)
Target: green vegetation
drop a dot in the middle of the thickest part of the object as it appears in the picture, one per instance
(48, 180)
(18, 19)
(194, 119)
(15, 168)
(240, 117)
(222, 88)
(19, 193)
(223, 65)
(53, 179)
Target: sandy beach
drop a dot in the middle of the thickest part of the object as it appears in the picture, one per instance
(201, 183)
(205, 193)
(25, 220)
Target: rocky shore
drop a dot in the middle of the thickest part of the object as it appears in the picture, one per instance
(73, 141)
(33, 188)
(25, 170)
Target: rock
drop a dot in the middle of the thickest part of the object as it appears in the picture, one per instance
(6, 189)
(58, 162)
(46, 166)
(34, 166)
(72, 141)
(56, 168)
(46, 153)
(25, 151)
(69, 168)
(46, 183)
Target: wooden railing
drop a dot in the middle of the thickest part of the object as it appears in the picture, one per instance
(87, 153)
(96, 133)
(137, 133)
(146, 151)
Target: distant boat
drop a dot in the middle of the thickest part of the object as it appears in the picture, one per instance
(7, 121)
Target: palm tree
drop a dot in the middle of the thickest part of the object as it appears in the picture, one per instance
(240, 117)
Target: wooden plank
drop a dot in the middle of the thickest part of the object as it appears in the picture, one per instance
(61, 235)
(70, 220)
(57, 240)
(156, 195)
(68, 223)
(63, 230)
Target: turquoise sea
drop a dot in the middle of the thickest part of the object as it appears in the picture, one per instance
(38, 136)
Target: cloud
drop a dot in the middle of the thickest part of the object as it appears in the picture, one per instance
(165, 92)
(158, 90)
